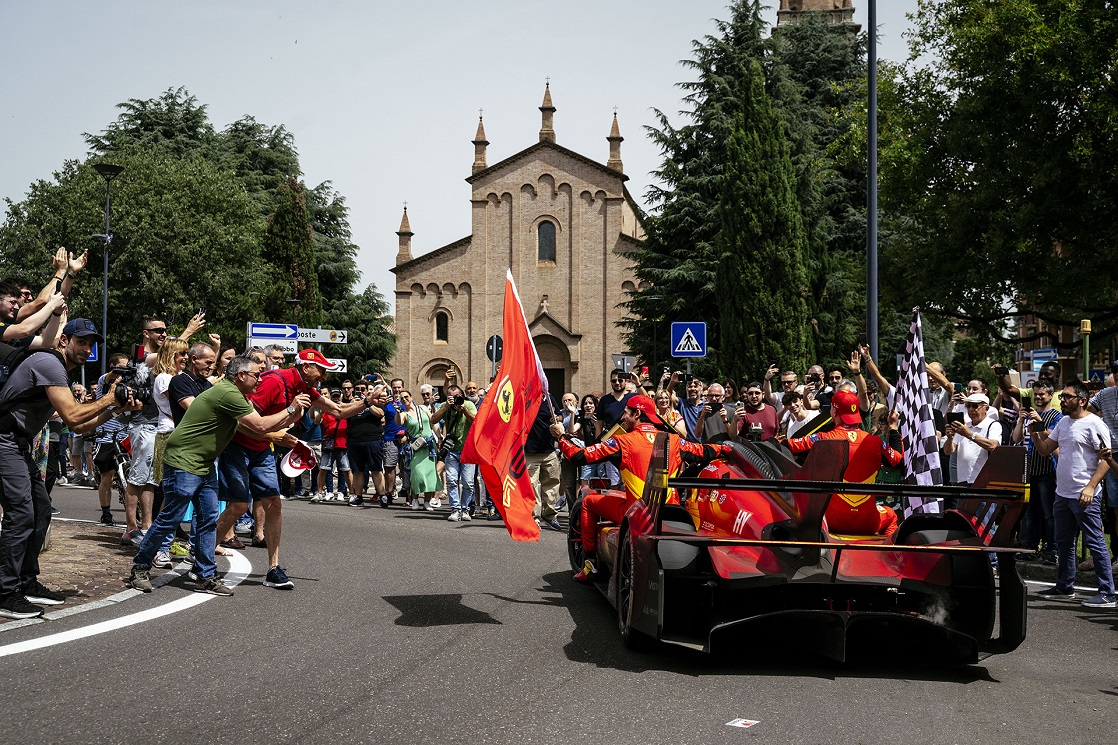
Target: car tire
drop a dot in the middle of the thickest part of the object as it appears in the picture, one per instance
(574, 536)
(632, 638)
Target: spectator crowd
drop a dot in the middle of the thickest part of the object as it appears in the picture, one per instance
(188, 431)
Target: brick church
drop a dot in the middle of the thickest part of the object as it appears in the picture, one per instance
(565, 224)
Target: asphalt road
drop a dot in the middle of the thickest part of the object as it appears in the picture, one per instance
(405, 628)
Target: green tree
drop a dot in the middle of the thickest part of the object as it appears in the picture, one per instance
(371, 345)
(999, 175)
(185, 235)
(761, 284)
(288, 250)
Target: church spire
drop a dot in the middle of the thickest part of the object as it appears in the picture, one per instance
(404, 253)
(547, 133)
(615, 139)
(479, 146)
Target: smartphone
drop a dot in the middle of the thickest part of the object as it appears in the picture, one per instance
(863, 340)
(1001, 370)
(138, 353)
(644, 371)
(954, 416)
(58, 285)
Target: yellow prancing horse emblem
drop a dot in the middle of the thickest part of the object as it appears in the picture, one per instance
(505, 400)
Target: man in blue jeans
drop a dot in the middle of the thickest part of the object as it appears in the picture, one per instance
(1083, 440)
(190, 476)
(457, 414)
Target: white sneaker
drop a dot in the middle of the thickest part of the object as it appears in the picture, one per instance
(466, 516)
(162, 560)
(455, 516)
(436, 503)
(319, 497)
(415, 504)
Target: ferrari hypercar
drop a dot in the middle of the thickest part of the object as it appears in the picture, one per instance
(741, 550)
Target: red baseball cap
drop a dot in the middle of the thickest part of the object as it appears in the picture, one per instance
(845, 406)
(300, 458)
(314, 357)
(646, 406)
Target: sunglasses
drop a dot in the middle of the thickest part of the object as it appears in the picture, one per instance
(973, 406)
(160, 330)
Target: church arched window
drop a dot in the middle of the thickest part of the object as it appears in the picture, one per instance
(545, 235)
(442, 326)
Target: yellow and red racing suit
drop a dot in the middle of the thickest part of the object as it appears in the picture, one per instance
(856, 513)
(631, 452)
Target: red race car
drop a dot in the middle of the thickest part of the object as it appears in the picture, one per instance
(741, 550)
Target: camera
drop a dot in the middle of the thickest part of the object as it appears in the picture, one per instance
(371, 378)
(450, 442)
(815, 378)
(453, 400)
(715, 406)
(753, 434)
(141, 392)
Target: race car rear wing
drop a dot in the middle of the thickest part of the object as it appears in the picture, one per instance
(992, 506)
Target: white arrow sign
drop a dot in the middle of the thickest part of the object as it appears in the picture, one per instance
(273, 331)
(342, 366)
(323, 336)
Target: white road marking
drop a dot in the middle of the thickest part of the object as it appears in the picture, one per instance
(239, 568)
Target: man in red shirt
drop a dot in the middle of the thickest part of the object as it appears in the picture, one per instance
(631, 452)
(247, 466)
(856, 513)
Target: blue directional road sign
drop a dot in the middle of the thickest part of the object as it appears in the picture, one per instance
(689, 339)
(273, 331)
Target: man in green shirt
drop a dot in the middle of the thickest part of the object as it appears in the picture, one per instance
(189, 476)
(457, 414)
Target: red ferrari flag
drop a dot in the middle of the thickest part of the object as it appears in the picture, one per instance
(497, 437)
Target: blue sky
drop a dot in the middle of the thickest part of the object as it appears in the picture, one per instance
(382, 98)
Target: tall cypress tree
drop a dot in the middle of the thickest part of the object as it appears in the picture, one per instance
(288, 247)
(761, 285)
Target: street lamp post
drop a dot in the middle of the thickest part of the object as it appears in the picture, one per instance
(108, 172)
(871, 187)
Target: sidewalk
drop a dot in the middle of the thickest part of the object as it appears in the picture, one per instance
(84, 561)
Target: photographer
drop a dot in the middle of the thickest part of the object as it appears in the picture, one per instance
(714, 418)
(37, 386)
(456, 415)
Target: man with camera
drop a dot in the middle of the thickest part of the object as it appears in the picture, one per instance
(456, 415)
(1038, 521)
(37, 386)
(714, 418)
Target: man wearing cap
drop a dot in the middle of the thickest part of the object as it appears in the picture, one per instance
(189, 477)
(856, 513)
(37, 386)
(247, 466)
(974, 438)
(631, 452)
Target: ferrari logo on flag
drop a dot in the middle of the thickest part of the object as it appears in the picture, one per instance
(505, 400)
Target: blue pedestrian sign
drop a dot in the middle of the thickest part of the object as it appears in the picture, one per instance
(273, 331)
(93, 354)
(689, 339)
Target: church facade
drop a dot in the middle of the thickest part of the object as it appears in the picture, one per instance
(565, 225)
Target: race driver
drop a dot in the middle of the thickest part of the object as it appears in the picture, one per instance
(857, 514)
(631, 452)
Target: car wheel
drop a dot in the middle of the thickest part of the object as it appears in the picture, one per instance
(632, 638)
(574, 536)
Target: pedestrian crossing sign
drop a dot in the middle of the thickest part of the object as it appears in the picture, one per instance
(689, 339)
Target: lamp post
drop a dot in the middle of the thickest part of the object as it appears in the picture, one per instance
(871, 186)
(108, 172)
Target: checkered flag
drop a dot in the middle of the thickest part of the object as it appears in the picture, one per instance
(918, 432)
